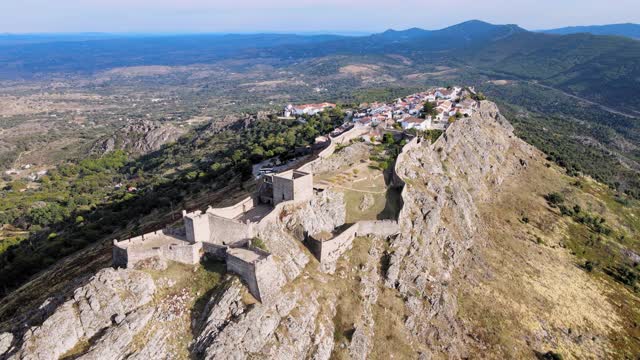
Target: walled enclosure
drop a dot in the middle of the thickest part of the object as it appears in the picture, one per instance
(159, 244)
(329, 249)
(225, 232)
(225, 226)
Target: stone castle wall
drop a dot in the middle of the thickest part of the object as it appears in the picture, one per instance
(160, 244)
(303, 188)
(328, 252)
(341, 139)
(235, 210)
(183, 253)
(228, 231)
(197, 227)
(261, 276)
(246, 271)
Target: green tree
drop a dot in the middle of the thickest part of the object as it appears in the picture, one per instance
(429, 109)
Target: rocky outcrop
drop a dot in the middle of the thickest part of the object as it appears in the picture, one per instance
(439, 221)
(140, 137)
(291, 257)
(346, 157)
(324, 212)
(111, 295)
(292, 327)
(113, 344)
(6, 339)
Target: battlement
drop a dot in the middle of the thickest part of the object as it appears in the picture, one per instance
(164, 244)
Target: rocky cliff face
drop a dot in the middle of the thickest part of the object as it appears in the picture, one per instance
(396, 297)
(440, 222)
(140, 137)
(110, 310)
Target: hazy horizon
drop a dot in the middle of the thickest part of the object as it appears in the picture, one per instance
(304, 17)
(257, 31)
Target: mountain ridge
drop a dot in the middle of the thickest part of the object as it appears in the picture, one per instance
(630, 30)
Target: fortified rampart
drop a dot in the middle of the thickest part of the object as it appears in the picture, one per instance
(235, 210)
(160, 244)
(226, 231)
(256, 267)
(341, 139)
(224, 234)
(239, 222)
(328, 248)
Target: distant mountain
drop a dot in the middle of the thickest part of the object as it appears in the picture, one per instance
(463, 34)
(23, 39)
(600, 68)
(627, 30)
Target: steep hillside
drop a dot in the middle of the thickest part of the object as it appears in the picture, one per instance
(499, 254)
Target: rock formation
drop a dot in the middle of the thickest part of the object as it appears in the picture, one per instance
(439, 221)
(140, 137)
(108, 308)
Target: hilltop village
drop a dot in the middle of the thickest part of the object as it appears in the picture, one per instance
(235, 234)
(430, 110)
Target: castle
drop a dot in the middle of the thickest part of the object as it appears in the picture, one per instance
(224, 233)
(229, 233)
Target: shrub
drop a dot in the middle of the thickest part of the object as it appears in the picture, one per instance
(554, 199)
(589, 266)
(550, 355)
(257, 242)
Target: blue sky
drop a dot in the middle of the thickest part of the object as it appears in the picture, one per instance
(20, 16)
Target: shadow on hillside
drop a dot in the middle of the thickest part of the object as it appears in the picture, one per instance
(393, 204)
(208, 298)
